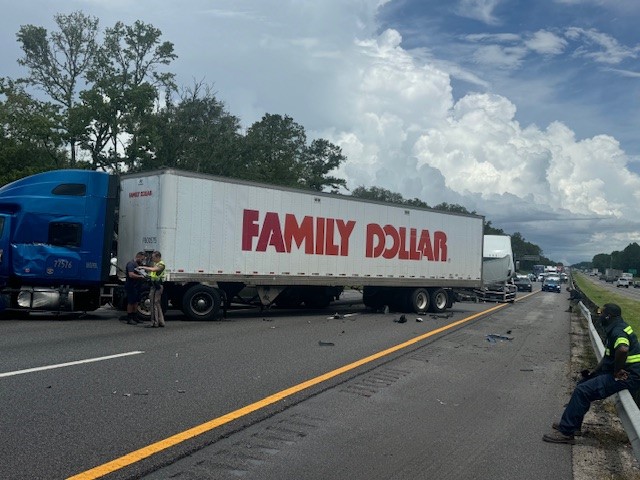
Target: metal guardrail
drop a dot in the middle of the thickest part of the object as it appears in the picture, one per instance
(625, 405)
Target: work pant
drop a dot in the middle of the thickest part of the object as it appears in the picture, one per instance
(599, 387)
(155, 295)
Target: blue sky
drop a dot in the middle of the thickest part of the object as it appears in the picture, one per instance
(572, 61)
(524, 111)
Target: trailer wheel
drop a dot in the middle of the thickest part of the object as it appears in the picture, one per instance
(419, 300)
(201, 302)
(439, 300)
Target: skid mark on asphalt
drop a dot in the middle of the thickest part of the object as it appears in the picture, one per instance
(242, 457)
(371, 384)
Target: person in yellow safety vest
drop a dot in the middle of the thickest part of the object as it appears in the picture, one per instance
(156, 276)
(618, 370)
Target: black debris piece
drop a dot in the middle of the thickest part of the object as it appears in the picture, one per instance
(402, 319)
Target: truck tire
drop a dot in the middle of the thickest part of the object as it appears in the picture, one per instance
(201, 302)
(439, 300)
(419, 300)
(143, 312)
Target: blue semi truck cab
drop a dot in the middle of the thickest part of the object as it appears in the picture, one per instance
(57, 238)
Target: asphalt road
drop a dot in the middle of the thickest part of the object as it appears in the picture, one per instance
(630, 292)
(431, 399)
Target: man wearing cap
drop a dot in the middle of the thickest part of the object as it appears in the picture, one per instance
(618, 370)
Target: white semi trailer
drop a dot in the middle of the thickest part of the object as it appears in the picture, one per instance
(220, 237)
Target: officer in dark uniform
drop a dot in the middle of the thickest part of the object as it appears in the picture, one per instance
(618, 370)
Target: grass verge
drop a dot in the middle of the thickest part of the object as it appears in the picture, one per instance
(600, 295)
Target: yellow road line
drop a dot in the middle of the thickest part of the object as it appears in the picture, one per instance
(149, 450)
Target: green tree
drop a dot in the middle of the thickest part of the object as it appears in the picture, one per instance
(452, 207)
(57, 63)
(489, 229)
(126, 84)
(521, 248)
(616, 260)
(318, 160)
(273, 147)
(275, 151)
(197, 134)
(631, 257)
(30, 141)
(29, 122)
(378, 194)
(601, 261)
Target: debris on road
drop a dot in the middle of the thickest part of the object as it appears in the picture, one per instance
(493, 337)
(338, 316)
(442, 315)
(402, 319)
(325, 344)
(419, 319)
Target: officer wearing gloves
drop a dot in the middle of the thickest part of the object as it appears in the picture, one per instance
(618, 370)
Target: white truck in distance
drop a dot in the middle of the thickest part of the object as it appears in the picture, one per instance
(498, 270)
(220, 236)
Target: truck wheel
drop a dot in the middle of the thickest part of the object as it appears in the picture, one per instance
(144, 306)
(201, 303)
(439, 300)
(419, 300)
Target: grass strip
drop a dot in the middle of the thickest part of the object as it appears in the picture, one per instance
(601, 295)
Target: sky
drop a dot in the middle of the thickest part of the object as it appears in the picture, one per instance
(523, 111)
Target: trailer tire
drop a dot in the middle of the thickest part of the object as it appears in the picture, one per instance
(201, 302)
(419, 300)
(439, 300)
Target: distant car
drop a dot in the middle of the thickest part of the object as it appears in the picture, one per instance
(622, 282)
(551, 284)
(523, 284)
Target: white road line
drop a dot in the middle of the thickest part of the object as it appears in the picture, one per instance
(68, 364)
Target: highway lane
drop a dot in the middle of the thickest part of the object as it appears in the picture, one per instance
(631, 292)
(459, 407)
(66, 420)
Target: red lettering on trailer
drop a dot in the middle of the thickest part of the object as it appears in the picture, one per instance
(391, 242)
(143, 193)
(330, 236)
(319, 236)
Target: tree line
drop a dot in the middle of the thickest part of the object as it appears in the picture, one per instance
(106, 100)
(626, 260)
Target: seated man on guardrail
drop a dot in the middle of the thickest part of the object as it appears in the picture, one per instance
(618, 370)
